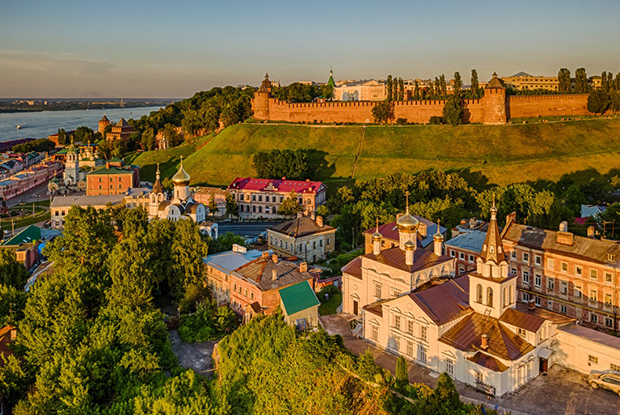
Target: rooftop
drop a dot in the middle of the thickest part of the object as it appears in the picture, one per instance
(471, 240)
(28, 235)
(298, 297)
(445, 302)
(593, 335)
(231, 260)
(301, 226)
(83, 200)
(262, 270)
(395, 257)
(278, 185)
(390, 231)
(589, 249)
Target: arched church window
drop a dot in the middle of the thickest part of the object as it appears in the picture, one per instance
(490, 297)
(504, 298)
(479, 293)
(510, 294)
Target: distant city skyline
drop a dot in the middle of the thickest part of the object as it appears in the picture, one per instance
(157, 49)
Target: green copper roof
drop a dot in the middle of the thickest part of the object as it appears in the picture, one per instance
(111, 170)
(330, 81)
(298, 297)
(27, 236)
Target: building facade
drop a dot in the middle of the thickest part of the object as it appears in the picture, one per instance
(566, 273)
(120, 131)
(390, 272)
(307, 238)
(261, 198)
(110, 180)
(367, 90)
(465, 248)
(525, 81)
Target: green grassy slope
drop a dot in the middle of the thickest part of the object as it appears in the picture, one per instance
(505, 154)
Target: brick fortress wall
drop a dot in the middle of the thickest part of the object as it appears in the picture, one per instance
(494, 108)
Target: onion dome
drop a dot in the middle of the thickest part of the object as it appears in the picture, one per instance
(438, 236)
(377, 235)
(181, 178)
(409, 245)
(407, 222)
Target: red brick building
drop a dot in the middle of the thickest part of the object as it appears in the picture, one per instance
(120, 131)
(254, 287)
(111, 180)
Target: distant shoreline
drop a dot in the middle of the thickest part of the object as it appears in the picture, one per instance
(76, 107)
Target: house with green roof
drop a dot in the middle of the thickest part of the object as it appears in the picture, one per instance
(300, 305)
(25, 245)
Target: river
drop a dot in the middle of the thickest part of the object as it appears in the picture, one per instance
(42, 124)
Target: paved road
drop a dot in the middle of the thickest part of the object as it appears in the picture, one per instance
(244, 228)
(30, 196)
(561, 392)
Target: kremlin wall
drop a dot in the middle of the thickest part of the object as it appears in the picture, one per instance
(494, 108)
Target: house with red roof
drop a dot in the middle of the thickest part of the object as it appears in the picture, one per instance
(261, 198)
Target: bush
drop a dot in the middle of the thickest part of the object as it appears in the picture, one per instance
(208, 323)
(401, 121)
(435, 120)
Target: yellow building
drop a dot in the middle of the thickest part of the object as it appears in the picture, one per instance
(524, 80)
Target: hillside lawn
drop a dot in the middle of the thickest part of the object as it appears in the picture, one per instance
(492, 154)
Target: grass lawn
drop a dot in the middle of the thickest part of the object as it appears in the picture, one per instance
(27, 220)
(502, 154)
(331, 305)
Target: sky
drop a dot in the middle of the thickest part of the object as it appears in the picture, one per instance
(174, 48)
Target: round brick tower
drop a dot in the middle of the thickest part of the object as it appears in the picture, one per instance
(260, 103)
(494, 102)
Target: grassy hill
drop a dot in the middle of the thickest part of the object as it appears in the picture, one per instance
(504, 154)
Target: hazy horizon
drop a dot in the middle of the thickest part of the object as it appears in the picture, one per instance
(155, 49)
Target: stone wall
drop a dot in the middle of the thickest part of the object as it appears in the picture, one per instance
(546, 105)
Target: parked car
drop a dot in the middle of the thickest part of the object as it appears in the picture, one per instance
(608, 379)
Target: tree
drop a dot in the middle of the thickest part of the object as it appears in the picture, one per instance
(276, 164)
(475, 85)
(445, 394)
(416, 90)
(188, 252)
(231, 206)
(581, 81)
(225, 242)
(458, 84)
(383, 112)
(598, 101)
(148, 140)
(453, 110)
(83, 134)
(443, 86)
(388, 88)
(564, 81)
(395, 89)
(401, 89)
(212, 205)
(614, 101)
(402, 373)
(12, 273)
(604, 84)
(104, 149)
(290, 205)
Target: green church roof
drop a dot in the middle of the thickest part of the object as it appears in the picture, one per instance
(298, 297)
(29, 235)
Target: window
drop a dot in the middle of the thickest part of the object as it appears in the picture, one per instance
(450, 366)
(614, 367)
(526, 297)
(397, 322)
(537, 279)
(578, 270)
(489, 296)
(396, 343)
(423, 330)
(562, 309)
(479, 293)
(608, 299)
(550, 263)
(253, 198)
(251, 295)
(422, 356)
(235, 287)
(609, 277)
(452, 253)
(513, 255)
(260, 198)
(479, 377)
(550, 304)
(395, 293)
(577, 291)
(593, 318)
(538, 260)
(377, 291)
(609, 322)
(513, 270)
(550, 284)
(374, 333)
(521, 332)
(564, 266)
(593, 274)
(537, 301)
(526, 258)
(462, 256)
(410, 350)
(526, 277)
(593, 295)
(320, 242)
(410, 326)
(564, 287)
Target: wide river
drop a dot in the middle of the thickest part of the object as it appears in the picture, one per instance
(42, 124)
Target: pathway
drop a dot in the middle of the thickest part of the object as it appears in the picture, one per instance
(196, 356)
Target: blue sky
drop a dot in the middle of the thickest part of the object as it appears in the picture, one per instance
(173, 48)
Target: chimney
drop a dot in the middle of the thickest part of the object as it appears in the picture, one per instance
(303, 267)
(319, 221)
(265, 254)
(284, 178)
(409, 253)
(274, 274)
(107, 165)
(564, 226)
(275, 258)
(484, 345)
(472, 223)
(590, 231)
(531, 305)
(13, 335)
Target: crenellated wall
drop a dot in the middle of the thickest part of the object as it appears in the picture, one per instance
(493, 108)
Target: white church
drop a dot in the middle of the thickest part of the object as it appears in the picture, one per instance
(181, 206)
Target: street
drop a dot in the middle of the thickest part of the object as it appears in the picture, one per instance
(30, 196)
(250, 229)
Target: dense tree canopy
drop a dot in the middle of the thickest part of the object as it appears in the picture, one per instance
(276, 164)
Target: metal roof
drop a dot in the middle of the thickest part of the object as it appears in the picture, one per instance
(230, 260)
(28, 235)
(299, 227)
(83, 200)
(471, 241)
(298, 297)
